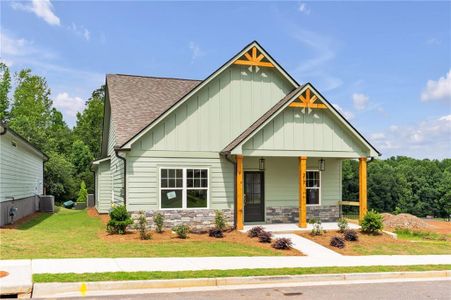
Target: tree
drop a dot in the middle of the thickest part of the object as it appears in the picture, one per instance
(89, 126)
(5, 87)
(59, 177)
(31, 108)
(83, 193)
(59, 137)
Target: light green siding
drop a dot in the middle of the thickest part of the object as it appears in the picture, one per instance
(117, 167)
(299, 132)
(103, 187)
(21, 169)
(143, 180)
(281, 180)
(219, 112)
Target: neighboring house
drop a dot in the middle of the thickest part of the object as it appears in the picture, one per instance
(21, 175)
(248, 140)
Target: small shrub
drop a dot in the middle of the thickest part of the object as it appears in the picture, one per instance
(351, 235)
(141, 225)
(158, 219)
(119, 220)
(282, 243)
(372, 223)
(220, 220)
(337, 241)
(83, 193)
(254, 231)
(342, 225)
(317, 227)
(181, 231)
(214, 232)
(265, 237)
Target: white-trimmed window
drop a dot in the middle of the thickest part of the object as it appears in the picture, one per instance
(183, 188)
(313, 185)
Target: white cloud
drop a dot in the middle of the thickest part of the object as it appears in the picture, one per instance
(438, 89)
(303, 8)
(68, 105)
(80, 30)
(360, 101)
(347, 114)
(427, 139)
(196, 51)
(434, 41)
(41, 8)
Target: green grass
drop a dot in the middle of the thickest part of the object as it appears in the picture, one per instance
(111, 276)
(415, 248)
(73, 234)
(420, 235)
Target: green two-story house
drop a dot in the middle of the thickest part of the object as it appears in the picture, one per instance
(248, 140)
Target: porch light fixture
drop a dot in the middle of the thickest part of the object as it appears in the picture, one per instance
(322, 164)
(261, 164)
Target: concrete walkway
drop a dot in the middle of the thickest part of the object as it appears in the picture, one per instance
(94, 265)
(308, 247)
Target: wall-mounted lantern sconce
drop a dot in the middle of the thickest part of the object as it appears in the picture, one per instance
(322, 164)
(261, 164)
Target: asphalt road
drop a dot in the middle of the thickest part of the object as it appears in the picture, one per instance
(368, 291)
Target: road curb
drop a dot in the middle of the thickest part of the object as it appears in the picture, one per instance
(74, 289)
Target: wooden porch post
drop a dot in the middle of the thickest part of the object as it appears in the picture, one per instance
(302, 192)
(363, 208)
(239, 192)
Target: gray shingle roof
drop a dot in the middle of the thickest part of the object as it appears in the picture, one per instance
(136, 101)
(261, 120)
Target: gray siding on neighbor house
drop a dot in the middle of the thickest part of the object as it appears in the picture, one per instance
(104, 187)
(21, 169)
(143, 180)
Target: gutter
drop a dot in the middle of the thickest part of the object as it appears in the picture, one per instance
(116, 152)
(227, 156)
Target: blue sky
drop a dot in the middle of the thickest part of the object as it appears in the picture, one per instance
(386, 66)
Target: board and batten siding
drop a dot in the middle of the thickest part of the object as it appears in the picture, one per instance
(281, 179)
(294, 129)
(21, 169)
(218, 112)
(143, 180)
(103, 187)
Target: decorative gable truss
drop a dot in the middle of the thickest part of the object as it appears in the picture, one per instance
(251, 58)
(308, 100)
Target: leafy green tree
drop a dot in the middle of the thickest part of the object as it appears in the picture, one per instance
(59, 135)
(59, 177)
(89, 126)
(31, 108)
(82, 193)
(5, 87)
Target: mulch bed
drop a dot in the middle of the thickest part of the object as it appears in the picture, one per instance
(442, 227)
(3, 274)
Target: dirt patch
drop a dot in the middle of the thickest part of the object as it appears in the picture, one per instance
(365, 241)
(92, 212)
(443, 227)
(229, 237)
(3, 274)
(405, 221)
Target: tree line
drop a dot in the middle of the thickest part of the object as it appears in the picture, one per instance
(397, 184)
(28, 109)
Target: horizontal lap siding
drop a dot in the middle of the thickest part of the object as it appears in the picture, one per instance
(117, 167)
(281, 180)
(104, 187)
(143, 180)
(21, 170)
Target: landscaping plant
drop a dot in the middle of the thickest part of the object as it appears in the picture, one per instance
(337, 241)
(372, 223)
(215, 232)
(181, 231)
(158, 219)
(254, 231)
(219, 220)
(119, 220)
(351, 235)
(317, 227)
(265, 236)
(141, 225)
(342, 224)
(282, 243)
(83, 193)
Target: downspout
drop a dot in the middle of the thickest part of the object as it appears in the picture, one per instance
(229, 159)
(116, 152)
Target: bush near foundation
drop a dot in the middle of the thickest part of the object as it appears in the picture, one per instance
(265, 237)
(254, 231)
(181, 231)
(119, 220)
(372, 223)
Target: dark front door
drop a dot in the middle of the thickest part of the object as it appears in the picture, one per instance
(254, 203)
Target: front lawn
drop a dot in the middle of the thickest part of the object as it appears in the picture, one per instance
(109, 276)
(74, 234)
(384, 244)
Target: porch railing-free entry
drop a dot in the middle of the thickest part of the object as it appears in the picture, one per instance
(349, 209)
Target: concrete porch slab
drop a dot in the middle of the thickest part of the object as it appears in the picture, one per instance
(294, 227)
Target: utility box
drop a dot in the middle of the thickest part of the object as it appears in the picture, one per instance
(91, 200)
(47, 203)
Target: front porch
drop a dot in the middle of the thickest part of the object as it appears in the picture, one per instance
(293, 227)
(283, 193)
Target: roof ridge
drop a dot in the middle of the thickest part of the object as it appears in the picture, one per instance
(156, 77)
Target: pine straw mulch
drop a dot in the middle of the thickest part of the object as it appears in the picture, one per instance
(443, 227)
(3, 274)
(231, 236)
